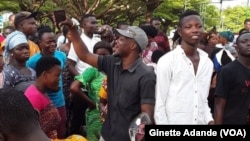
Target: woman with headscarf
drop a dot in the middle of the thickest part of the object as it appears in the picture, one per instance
(222, 56)
(16, 74)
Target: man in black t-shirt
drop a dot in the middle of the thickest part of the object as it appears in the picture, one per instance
(232, 94)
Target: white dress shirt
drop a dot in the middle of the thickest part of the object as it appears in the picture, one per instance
(181, 95)
(90, 43)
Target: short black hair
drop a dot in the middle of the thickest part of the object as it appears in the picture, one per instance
(243, 30)
(85, 16)
(150, 30)
(18, 116)
(143, 23)
(65, 31)
(45, 63)
(157, 54)
(43, 29)
(154, 19)
(176, 37)
(237, 39)
(246, 20)
(186, 13)
(103, 44)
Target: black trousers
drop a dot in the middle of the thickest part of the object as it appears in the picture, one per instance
(78, 108)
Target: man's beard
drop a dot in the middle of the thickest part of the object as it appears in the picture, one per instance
(116, 55)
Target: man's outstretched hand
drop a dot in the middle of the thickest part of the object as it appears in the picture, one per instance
(68, 22)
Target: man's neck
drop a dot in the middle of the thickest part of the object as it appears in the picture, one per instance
(39, 86)
(23, 33)
(128, 61)
(190, 50)
(43, 53)
(244, 61)
(90, 35)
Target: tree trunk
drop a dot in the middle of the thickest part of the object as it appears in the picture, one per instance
(151, 6)
(149, 15)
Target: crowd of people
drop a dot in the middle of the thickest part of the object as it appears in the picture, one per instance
(90, 82)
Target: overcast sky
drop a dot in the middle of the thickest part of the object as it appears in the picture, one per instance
(230, 3)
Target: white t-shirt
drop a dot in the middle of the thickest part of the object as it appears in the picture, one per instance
(60, 41)
(89, 42)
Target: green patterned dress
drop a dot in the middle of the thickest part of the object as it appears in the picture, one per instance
(93, 79)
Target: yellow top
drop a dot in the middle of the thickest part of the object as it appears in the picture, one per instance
(2, 44)
(33, 48)
(72, 138)
(103, 91)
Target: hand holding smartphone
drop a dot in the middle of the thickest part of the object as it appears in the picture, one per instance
(60, 16)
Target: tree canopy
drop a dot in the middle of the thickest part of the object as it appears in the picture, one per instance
(134, 11)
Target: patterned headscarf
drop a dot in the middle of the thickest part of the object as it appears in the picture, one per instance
(13, 40)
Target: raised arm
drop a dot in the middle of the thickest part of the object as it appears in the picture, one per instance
(80, 48)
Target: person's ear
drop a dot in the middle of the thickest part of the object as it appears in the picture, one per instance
(11, 53)
(39, 43)
(133, 45)
(83, 24)
(179, 31)
(20, 25)
(44, 75)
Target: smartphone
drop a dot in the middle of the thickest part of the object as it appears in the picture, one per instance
(59, 16)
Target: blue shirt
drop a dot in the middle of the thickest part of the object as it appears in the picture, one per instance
(56, 97)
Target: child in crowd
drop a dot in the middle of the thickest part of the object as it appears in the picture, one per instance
(48, 72)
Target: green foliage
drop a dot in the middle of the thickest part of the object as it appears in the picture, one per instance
(210, 17)
(48, 6)
(234, 18)
(170, 10)
(7, 5)
(134, 11)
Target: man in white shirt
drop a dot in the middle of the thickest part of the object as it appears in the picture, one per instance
(76, 66)
(183, 78)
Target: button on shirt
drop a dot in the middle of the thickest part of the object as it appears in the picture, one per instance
(181, 95)
(127, 91)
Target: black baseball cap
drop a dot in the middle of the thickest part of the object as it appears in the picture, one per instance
(19, 17)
